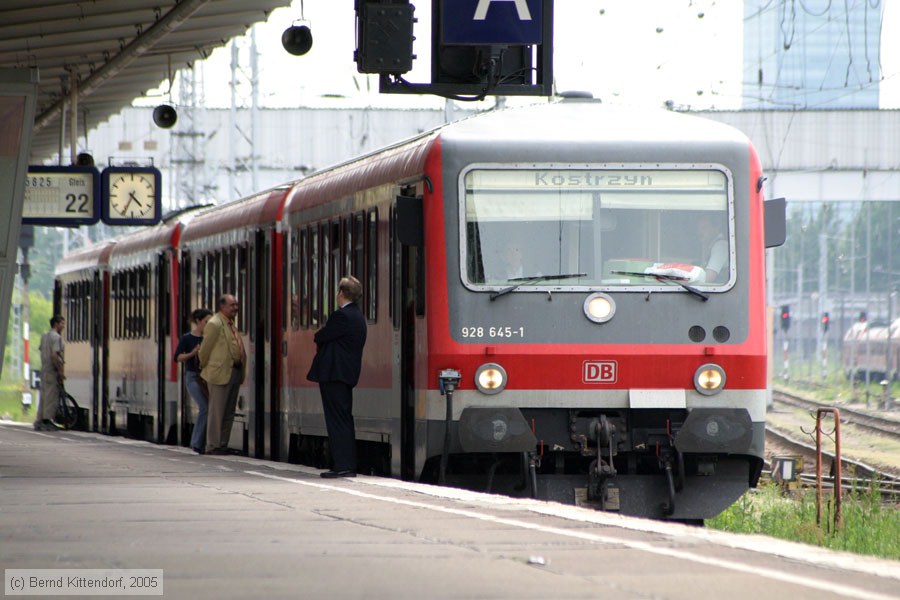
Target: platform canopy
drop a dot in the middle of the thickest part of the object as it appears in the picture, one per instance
(113, 50)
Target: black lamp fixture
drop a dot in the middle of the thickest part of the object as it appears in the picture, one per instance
(165, 116)
(297, 39)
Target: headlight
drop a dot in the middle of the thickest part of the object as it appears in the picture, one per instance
(490, 378)
(709, 379)
(599, 307)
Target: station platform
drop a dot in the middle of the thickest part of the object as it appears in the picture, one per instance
(234, 527)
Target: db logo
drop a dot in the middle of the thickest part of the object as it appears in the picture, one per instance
(599, 371)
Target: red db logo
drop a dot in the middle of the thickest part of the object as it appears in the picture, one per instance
(599, 371)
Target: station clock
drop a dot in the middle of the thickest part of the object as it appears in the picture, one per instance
(131, 196)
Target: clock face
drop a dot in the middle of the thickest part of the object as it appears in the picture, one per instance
(132, 195)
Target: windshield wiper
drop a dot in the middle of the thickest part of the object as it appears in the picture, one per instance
(531, 279)
(660, 276)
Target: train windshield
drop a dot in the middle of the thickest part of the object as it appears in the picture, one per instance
(595, 227)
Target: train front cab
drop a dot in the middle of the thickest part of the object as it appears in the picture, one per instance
(583, 378)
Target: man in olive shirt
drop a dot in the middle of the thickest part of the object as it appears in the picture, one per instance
(222, 360)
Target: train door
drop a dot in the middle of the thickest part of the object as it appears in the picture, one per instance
(259, 322)
(96, 312)
(184, 316)
(278, 269)
(103, 333)
(407, 293)
(162, 312)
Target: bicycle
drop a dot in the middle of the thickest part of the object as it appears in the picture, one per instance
(66, 411)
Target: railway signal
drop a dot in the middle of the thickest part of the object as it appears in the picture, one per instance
(785, 317)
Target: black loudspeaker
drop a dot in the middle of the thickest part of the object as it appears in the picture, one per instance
(297, 39)
(164, 116)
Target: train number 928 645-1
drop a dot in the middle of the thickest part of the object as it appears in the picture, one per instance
(493, 332)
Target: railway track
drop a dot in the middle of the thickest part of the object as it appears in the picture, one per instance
(873, 423)
(856, 474)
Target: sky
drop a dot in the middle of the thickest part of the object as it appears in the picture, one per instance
(639, 52)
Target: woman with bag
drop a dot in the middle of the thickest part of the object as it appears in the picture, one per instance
(186, 352)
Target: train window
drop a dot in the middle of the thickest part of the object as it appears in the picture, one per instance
(288, 264)
(576, 228)
(325, 271)
(137, 305)
(212, 278)
(229, 280)
(293, 284)
(86, 312)
(243, 289)
(75, 311)
(315, 313)
(69, 303)
(394, 292)
(347, 245)
(371, 267)
(156, 314)
(359, 241)
(337, 264)
(142, 309)
(127, 292)
(199, 278)
(120, 306)
(114, 306)
(79, 331)
(303, 276)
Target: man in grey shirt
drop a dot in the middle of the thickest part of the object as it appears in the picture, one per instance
(52, 374)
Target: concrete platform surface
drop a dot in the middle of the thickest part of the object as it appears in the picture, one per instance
(233, 527)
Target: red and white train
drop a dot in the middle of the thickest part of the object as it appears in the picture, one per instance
(872, 348)
(540, 319)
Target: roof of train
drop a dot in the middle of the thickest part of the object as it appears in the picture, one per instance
(265, 207)
(162, 236)
(566, 122)
(589, 121)
(399, 162)
(89, 257)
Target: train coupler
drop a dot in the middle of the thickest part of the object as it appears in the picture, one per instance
(602, 472)
(601, 489)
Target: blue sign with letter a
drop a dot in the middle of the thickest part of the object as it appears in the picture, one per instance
(467, 22)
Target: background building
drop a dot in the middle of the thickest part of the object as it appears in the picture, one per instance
(812, 54)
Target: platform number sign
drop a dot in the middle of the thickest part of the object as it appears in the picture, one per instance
(61, 196)
(481, 22)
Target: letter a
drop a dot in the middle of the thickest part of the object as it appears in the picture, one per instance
(483, 6)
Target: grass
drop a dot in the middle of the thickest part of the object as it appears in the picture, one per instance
(869, 527)
(11, 402)
(807, 379)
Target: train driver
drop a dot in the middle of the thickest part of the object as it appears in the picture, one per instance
(715, 248)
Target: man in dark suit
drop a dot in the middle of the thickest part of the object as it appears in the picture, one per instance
(336, 367)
